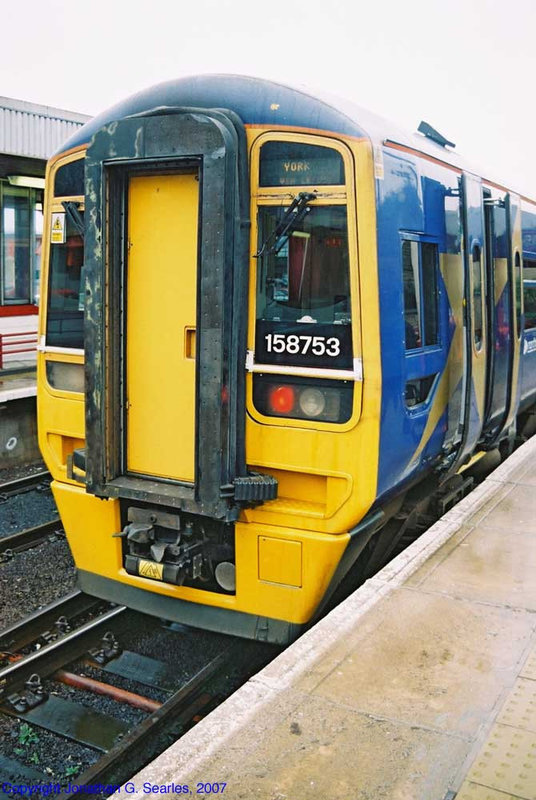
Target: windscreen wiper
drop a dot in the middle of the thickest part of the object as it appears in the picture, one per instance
(74, 216)
(294, 214)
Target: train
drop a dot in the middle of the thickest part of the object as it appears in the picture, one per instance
(276, 333)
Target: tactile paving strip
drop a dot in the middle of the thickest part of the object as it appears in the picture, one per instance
(505, 768)
(472, 791)
(507, 762)
(519, 708)
(529, 670)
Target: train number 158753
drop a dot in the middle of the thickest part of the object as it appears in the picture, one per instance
(293, 344)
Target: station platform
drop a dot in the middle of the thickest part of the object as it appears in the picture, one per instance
(420, 686)
(17, 382)
(18, 417)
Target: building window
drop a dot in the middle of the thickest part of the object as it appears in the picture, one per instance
(37, 247)
(20, 235)
(419, 270)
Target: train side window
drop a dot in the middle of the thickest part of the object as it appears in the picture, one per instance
(518, 289)
(419, 271)
(529, 294)
(69, 179)
(412, 311)
(476, 267)
(429, 292)
(417, 390)
(65, 316)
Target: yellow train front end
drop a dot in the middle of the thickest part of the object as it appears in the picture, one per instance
(209, 371)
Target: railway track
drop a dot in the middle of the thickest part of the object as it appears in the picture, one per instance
(30, 537)
(37, 657)
(40, 482)
(12, 543)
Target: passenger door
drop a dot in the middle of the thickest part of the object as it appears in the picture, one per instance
(499, 308)
(475, 324)
(515, 267)
(161, 308)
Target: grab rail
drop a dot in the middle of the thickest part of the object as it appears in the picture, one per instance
(17, 342)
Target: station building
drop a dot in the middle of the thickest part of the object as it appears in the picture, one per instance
(29, 134)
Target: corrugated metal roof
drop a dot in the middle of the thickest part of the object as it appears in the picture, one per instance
(35, 131)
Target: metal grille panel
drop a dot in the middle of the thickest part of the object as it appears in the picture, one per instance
(35, 131)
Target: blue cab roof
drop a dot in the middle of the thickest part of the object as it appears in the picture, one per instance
(256, 101)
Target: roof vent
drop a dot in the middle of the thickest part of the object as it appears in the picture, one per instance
(434, 135)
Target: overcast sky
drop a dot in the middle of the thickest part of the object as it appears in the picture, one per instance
(466, 66)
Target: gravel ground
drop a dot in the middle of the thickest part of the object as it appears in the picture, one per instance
(28, 509)
(34, 578)
(21, 471)
(22, 511)
(187, 650)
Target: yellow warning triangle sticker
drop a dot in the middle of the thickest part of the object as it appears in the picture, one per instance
(149, 569)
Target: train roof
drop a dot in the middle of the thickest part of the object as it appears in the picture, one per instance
(262, 102)
(255, 100)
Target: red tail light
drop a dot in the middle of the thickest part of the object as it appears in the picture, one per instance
(282, 399)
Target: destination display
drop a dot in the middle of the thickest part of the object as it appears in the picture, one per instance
(296, 164)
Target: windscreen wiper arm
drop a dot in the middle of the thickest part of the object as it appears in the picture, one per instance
(294, 214)
(74, 216)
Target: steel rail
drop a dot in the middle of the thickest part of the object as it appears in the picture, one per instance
(25, 484)
(30, 628)
(24, 540)
(57, 654)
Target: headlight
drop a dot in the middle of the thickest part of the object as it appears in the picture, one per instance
(225, 574)
(312, 402)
